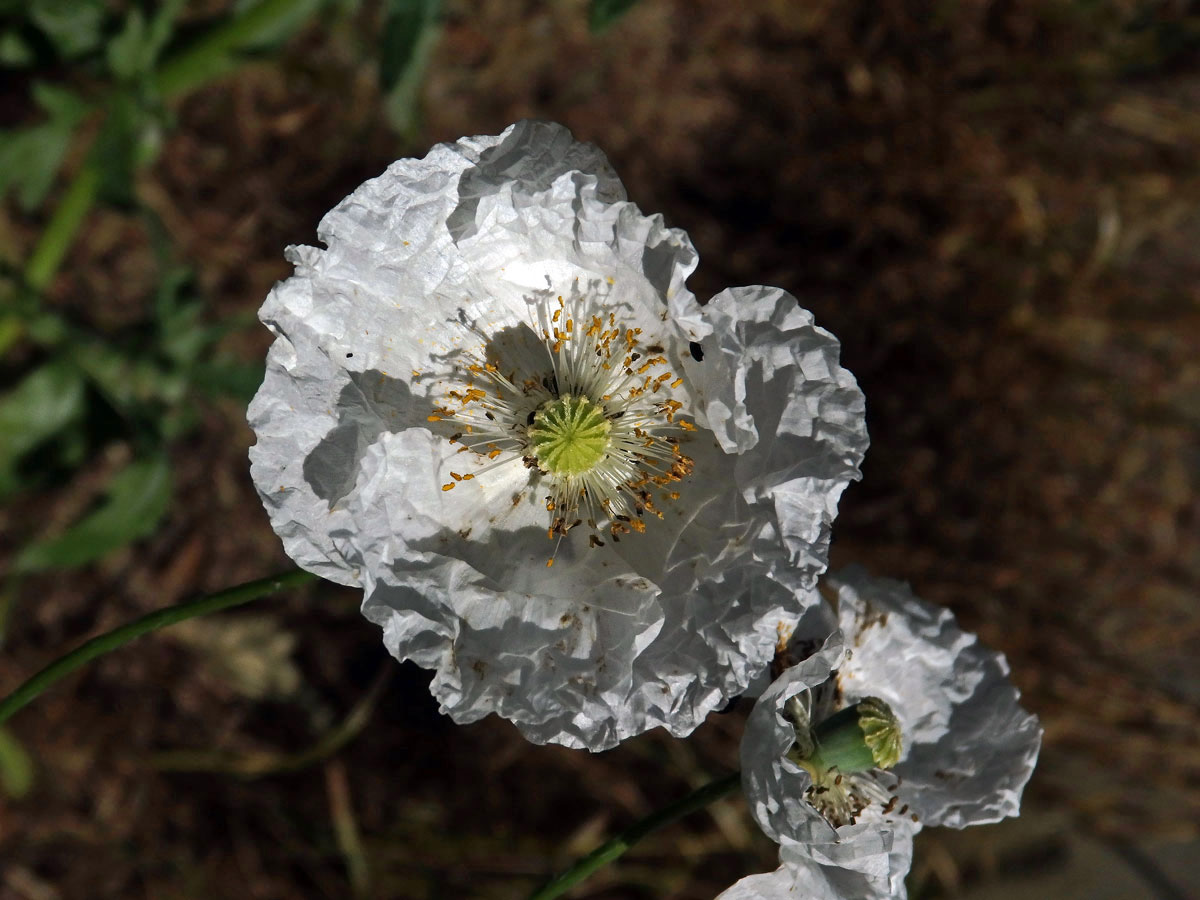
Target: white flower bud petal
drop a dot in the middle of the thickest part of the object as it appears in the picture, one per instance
(968, 747)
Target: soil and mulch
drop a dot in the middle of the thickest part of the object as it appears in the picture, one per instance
(995, 207)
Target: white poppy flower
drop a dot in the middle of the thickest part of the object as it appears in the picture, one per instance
(900, 719)
(583, 499)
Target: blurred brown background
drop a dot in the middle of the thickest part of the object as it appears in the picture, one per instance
(994, 205)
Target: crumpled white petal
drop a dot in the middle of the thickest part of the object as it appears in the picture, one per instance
(862, 871)
(969, 748)
(439, 255)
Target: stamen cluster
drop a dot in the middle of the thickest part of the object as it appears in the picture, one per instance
(587, 407)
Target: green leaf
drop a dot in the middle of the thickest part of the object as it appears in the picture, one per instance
(29, 160)
(131, 137)
(137, 499)
(255, 25)
(60, 104)
(603, 13)
(16, 768)
(11, 329)
(134, 51)
(124, 51)
(185, 338)
(48, 400)
(182, 335)
(132, 379)
(162, 27)
(405, 23)
(30, 157)
(127, 382)
(15, 52)
(75, 27)
(229, 377)
(273, 30)
(410, 32)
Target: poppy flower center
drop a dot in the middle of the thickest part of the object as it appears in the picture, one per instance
(569, 435)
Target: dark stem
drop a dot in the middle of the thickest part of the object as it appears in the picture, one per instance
(606, 853)
(104, 643)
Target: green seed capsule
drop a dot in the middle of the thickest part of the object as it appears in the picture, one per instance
(860, 737)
